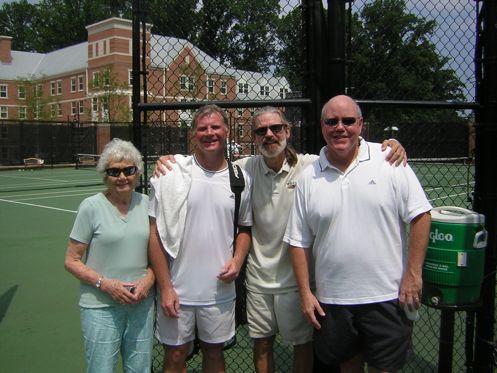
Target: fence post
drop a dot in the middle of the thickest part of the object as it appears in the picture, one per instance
(485, 199)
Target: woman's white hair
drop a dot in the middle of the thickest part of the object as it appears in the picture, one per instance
(118, 150)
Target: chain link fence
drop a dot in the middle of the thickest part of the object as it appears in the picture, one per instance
(404, 53)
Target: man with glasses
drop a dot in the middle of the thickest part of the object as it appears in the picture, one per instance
(191, 247)
(348, 220)
(273, 304)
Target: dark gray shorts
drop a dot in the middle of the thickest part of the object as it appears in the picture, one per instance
(380, 331)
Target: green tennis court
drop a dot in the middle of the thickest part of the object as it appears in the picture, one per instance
(39, 315)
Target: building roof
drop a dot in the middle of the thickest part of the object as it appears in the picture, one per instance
(37, 65)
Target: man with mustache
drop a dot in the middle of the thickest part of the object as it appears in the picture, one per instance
(273, 303)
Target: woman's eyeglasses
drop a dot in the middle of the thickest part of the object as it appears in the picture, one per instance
(275, 128)
(347, 121)
(127, 171)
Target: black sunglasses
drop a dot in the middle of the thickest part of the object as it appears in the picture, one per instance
(347, 121)
(127, 171)
(275, 128)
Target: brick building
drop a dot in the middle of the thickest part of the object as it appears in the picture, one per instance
(91, 81)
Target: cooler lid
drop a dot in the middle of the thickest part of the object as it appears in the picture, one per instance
(456, 215)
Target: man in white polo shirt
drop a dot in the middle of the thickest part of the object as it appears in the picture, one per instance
(348, 219)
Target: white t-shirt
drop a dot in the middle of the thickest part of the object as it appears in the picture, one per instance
(354, 221)
(207, 242)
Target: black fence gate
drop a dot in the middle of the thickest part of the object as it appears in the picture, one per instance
(423, 71)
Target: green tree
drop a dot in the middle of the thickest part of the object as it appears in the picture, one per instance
(253, 44)
(63, 22)
(215, 19)
(176, 18)
(112, 96)
(290, 58)
(19, 20)
(394, 58)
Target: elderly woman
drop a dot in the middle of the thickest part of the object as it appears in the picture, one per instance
(107, 252)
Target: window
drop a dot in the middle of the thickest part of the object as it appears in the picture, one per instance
(243, 88)
(52, 110)
(210, 86)
(4, 112)
(240, 130)
(186, 83)
(94, 105)
(52, 88)
(283, 92)
(74, 108)
(81, 107)
(22, 112)
(96, 79)
(21, 91)
(59, 110)
(264, 91)
(73, 84)
(106, 78)
(3, 91)
(59, 87)
(224, 88)
(39, 90)
(37, 112)
(81, 83)
(130, 77)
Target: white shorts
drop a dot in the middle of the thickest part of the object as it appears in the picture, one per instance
(214, 324)
(268, 314)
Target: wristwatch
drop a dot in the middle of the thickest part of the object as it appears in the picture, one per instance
(99, 282)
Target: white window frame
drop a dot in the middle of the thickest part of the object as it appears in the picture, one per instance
(224, 87)
(130, 78)
(243, 87)
(96, 79)
(59, 109)
(52, 88)
(4, 91)
(73, 84)
(283, 92)
(53, 109)
(39, 90)
(264, 90)
(74, 108)
(81, 83)
(94, 105)
(23, 112)
(186, 83)
(21, 92)
(81, 107)
(59, 87)
(4, 112)
(211, 84)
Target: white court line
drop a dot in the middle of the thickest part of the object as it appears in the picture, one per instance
(45, 193)
(62, 195)
(448, 196)
(33, 205)
(33, 178)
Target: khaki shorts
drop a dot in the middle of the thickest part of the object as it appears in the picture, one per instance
(215, 324)
(268, 314)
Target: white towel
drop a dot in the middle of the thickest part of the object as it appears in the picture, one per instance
(171, 192)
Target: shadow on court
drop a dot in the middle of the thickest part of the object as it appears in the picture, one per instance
(5, 300)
